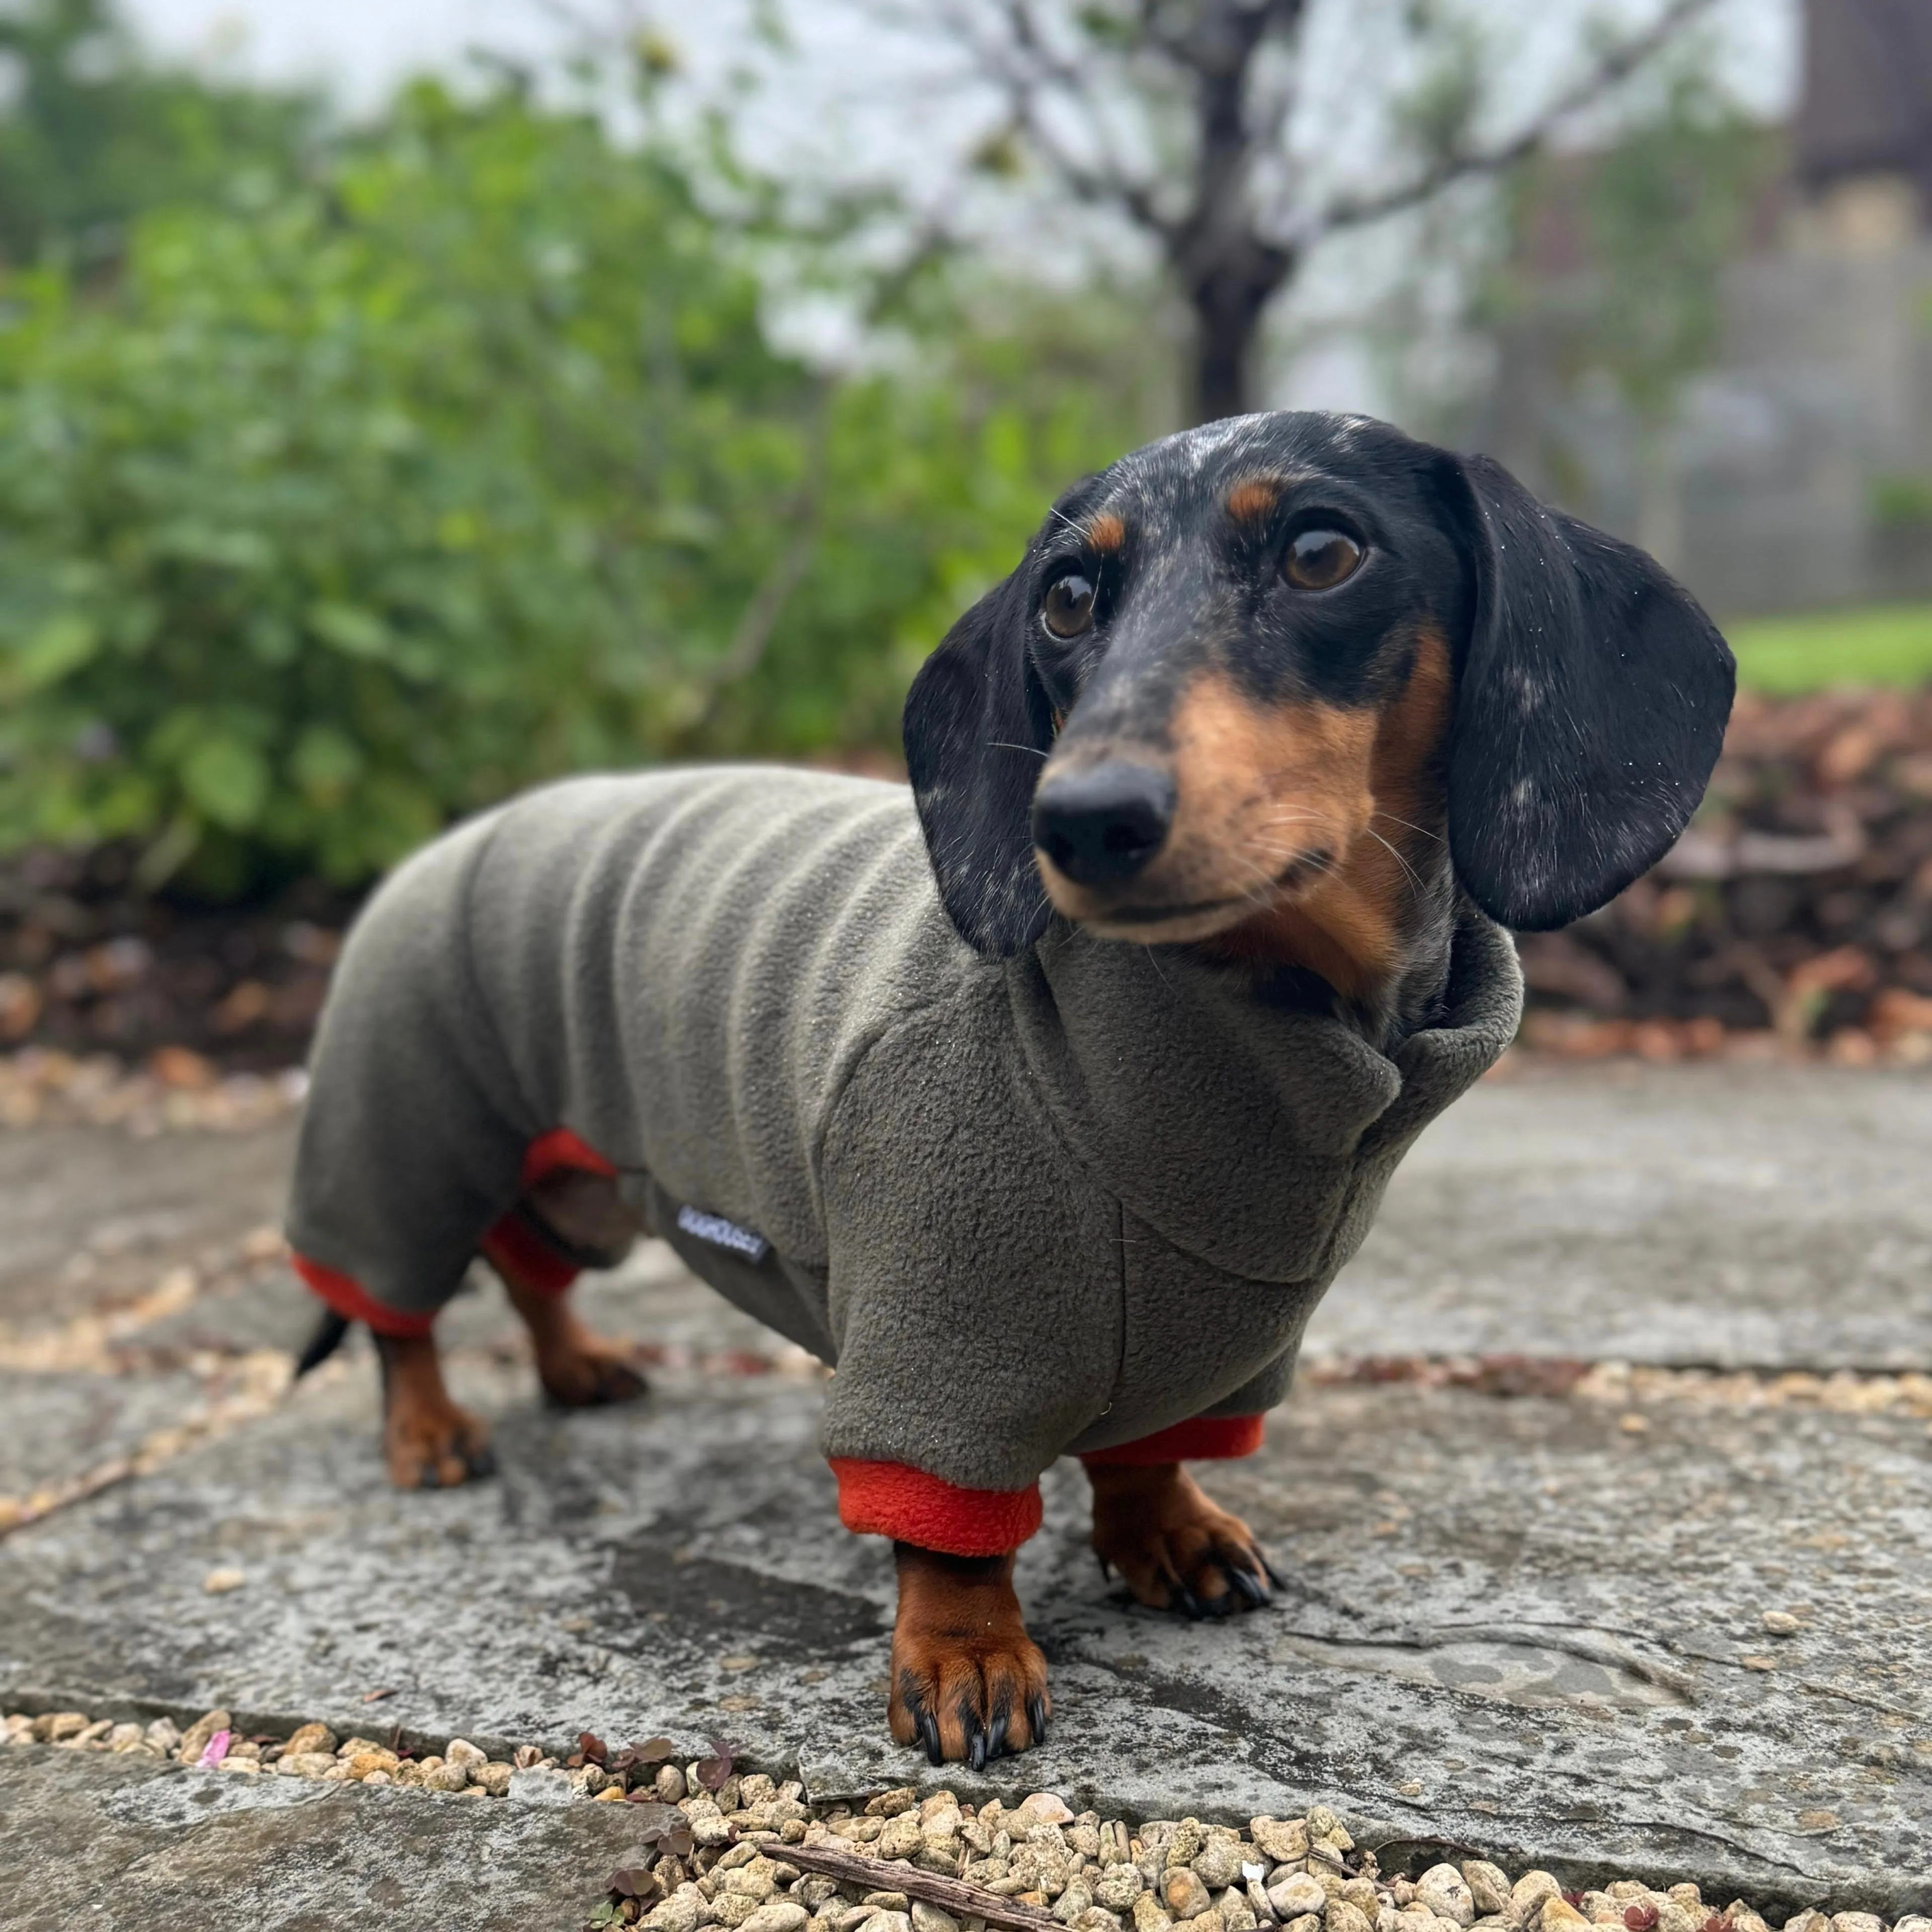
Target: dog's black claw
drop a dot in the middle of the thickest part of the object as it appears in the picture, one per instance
(996, 1735)
(1037, 1719)
(1187, 1603)
(929, 1735)
(1274, 1576)
(1106, 1568)
(480, 1462)
(975, 1745)
(1250, 1585)
(429, 1477)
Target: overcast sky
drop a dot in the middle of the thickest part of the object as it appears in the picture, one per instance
(363, 46)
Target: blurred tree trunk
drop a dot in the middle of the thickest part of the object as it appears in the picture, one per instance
(1211, 166)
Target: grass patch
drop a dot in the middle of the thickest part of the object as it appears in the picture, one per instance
(1886, 644)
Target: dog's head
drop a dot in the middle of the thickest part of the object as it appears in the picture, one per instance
(1184, 708)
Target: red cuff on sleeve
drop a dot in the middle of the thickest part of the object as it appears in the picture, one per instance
(558, 1148)
(892, 1499)
(514, 1247)
(347, 1296)
(1200, 1439)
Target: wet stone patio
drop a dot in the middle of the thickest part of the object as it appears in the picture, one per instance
(1527, 1600)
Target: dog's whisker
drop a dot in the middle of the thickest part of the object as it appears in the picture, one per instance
(1421, 831)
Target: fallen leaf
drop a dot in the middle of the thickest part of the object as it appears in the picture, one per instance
(376, 1696)
(215, 1750)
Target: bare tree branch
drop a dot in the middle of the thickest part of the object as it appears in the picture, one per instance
(1024, 64)
(1614, 67)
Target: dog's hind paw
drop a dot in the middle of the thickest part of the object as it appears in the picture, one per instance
(437, 1449)
(968, 1683)
(1175, 1549)
(591, 1373)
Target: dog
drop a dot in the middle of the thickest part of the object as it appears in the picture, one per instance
(1044, 1103)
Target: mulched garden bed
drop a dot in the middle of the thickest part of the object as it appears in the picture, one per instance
(1796, 912)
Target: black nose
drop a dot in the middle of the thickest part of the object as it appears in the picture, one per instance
(1101, 826)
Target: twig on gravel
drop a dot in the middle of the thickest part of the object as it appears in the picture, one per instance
(950, 1894)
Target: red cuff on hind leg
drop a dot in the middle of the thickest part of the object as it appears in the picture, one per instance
(514, 1246)
(895, 1500)
(348, 1296)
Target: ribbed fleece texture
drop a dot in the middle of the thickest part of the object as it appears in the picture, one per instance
(1042, 1206)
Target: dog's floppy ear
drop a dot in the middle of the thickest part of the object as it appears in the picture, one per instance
(1591, 705)
(978, 723)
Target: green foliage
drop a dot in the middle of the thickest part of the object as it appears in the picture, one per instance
(91, 135)
(1887, 644)
(360, 504)
(1902, 503)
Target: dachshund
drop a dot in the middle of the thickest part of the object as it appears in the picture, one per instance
(1219, 805)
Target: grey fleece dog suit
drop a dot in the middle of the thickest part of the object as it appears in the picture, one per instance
(1082, 1201)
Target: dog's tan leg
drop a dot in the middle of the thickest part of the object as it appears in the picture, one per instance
(968, 1682)
(577, 1367)
(1176, 1549)
(430, 1443)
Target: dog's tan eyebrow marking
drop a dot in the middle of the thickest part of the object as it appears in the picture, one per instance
(1106, 532)
(1252, 499)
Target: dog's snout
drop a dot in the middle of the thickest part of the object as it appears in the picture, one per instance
(1103, 826)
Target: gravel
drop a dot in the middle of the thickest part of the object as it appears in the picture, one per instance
(717, 1859)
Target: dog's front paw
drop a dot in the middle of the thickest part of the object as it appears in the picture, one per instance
(1175, 1549)
(432, 1447)
(589, 1372)
(968, 1683)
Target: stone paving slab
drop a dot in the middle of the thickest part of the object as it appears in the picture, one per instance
(90, 1216)
(1740, 1215)
(62, 1426)
(116, 1842)
(1520, 1626)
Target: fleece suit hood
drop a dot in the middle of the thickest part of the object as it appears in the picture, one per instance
(1063, 1203)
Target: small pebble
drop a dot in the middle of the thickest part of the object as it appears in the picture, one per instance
(1297, 1894)
(1042, 1807)
(1527, 1896)
(1488, 1886)
(195, 1739)
(780, 1915)
(1218, 1863)
(1283, 1840)
(1780, 1623)
(1443, 1889)
(219, 1583)
(1183, 1895)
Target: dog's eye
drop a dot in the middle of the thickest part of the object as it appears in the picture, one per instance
(1069, 608)
(1320, 560)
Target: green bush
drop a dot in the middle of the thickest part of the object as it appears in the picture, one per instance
(355, 508)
